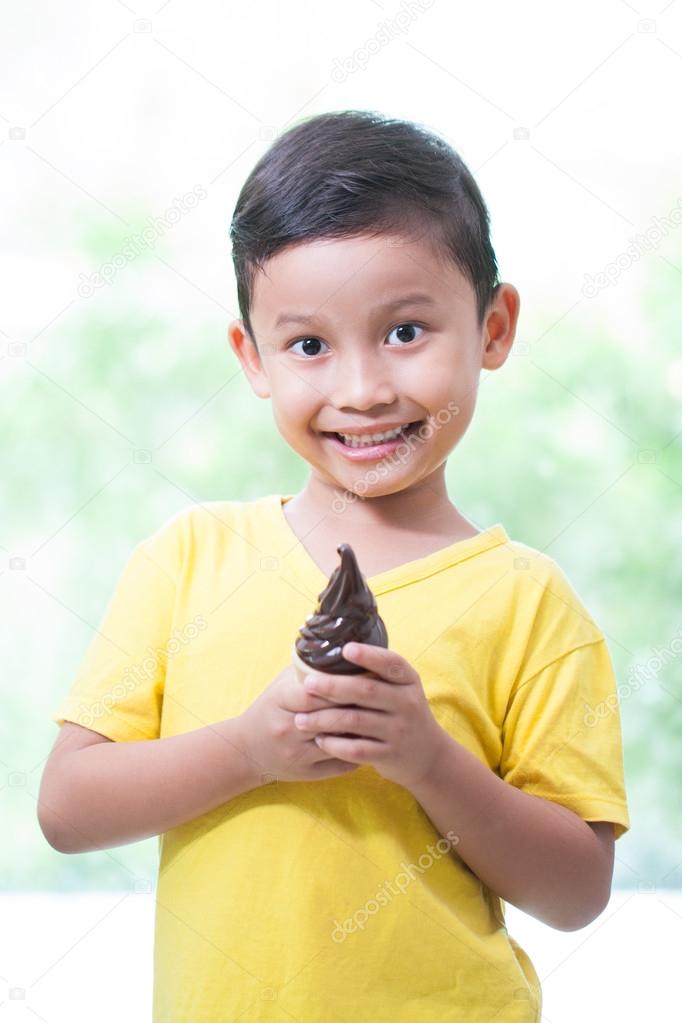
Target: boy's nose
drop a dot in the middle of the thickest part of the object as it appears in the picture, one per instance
(361, 382)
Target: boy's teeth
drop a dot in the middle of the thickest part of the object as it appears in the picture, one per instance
(370, 438)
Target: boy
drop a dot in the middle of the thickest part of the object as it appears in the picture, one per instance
(305, 875)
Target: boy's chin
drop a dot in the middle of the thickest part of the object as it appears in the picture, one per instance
(354, 486)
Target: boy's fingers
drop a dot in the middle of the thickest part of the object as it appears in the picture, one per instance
(363, 690)
(354, 720)
(305, 701)
(299, 699)
(386, 663)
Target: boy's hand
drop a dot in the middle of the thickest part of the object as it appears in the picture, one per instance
(275, 746)
(396, 731)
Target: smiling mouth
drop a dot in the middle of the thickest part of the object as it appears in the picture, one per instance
(405, 431)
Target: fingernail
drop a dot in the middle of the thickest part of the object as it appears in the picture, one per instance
(299, 719)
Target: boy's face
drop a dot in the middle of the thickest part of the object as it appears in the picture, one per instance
(357, 363)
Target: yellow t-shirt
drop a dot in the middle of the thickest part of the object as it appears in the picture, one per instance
(338, 900)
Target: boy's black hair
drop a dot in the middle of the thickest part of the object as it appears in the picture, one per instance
(351, 173)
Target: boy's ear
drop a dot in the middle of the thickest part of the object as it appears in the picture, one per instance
(500, 326)
(244, 348)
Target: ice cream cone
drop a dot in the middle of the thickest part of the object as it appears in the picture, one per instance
(301, 668)
(346, 611)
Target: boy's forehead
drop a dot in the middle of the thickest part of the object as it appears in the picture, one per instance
(325, 275)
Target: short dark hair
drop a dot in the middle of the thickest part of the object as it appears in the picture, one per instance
(351, 173)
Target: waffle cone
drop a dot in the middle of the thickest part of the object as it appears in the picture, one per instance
(300, 667)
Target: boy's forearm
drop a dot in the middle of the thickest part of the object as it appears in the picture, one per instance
(112, 793)
(537, 855)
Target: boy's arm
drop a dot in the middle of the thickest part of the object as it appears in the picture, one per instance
(111, 793)
(533, 853)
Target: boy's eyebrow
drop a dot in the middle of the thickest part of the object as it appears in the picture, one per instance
(418, 298)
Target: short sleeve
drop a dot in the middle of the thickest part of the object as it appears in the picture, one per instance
(118, 688)
(561, 736)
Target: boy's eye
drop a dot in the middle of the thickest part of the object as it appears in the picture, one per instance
(308, 342)
(406, 328)
(405, 335)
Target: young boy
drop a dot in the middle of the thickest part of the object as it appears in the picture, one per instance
(341, 850)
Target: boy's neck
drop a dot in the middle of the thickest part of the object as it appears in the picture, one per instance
(423, 509)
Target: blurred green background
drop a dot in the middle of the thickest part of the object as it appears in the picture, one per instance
(574, 447)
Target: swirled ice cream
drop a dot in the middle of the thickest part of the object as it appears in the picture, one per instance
(346, 612)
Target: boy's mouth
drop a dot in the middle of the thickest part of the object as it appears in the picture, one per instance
(360, 447)
(379, 437)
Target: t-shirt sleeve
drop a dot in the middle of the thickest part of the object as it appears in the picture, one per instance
(562, 736)
(118, 688)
